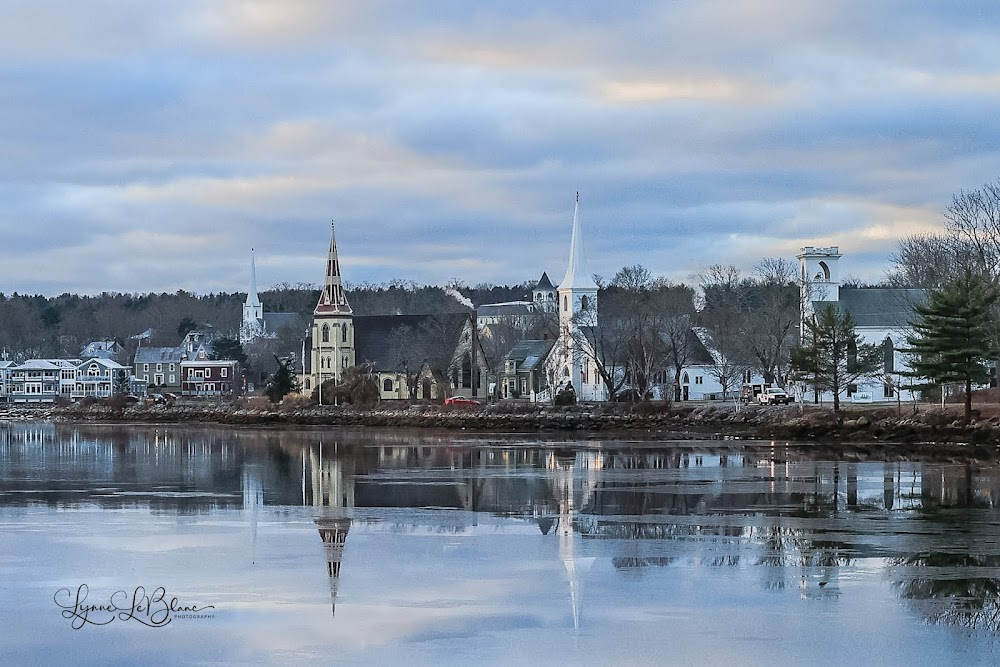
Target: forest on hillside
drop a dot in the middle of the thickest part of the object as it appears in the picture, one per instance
(33, 326)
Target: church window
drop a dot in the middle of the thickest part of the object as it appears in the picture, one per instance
(387, 384)
(466, 372)
(888, 355)
(565, 302)
(826, 272)
(343, 333)
(584, 302)
(326, 334)
(583, 374)
(685, 379)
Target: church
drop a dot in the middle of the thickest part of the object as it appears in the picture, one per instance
(881, 316)
(424, 357)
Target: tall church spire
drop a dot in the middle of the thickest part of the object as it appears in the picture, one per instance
(253, 300)
(333, 299)
(576, 273)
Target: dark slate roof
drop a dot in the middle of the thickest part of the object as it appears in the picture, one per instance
(544, 283)
(530, 354)
(883, 307)
(153, 355)
(511, 308)
(373, 339)
(698, 354)
(275, 322)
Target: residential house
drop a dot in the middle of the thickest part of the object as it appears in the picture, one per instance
(99, 378)
(159, 367)
(107, 348)
(5, 368)
(523, 374)
(211, 377)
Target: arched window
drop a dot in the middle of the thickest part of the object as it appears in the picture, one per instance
(343, 333)
(584, 302)
(466, 372)
(565, 302)
(387, 384)
(888, 355)
(826, 271)
(685, 379)
(326, 334)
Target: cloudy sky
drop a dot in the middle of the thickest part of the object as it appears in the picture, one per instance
(144, 146)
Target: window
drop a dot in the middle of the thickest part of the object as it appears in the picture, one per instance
(171, 368)
(190, 372)
(159, 367)
(172, 378)
(584, 302)
(343, 333)
(326, 334)
(224, 372)
(145, 367)
(565, 302)
(308, 384)
(698, 379)
(387, 385)
(888, 355)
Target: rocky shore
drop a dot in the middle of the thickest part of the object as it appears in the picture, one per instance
(792, 423)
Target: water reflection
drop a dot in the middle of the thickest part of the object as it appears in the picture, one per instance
(811, 527)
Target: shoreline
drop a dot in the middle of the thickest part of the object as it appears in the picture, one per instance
(929, 426)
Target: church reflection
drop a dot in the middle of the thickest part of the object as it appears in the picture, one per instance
(797, 522)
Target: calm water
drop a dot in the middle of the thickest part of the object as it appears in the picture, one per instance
(348, 547)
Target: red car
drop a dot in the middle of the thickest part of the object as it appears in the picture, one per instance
(460, 400)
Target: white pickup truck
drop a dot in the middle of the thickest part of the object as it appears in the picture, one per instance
(774, 396)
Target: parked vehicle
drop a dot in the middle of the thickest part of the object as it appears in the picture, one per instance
(774, 396)
(751, 392)
(460, 400)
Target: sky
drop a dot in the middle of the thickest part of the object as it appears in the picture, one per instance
(145, 147)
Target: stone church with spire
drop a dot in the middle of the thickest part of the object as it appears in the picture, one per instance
(384, 344)
(331, 336)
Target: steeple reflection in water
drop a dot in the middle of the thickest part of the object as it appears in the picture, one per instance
(787, 522)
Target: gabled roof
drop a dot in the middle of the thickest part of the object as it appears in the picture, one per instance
(512, 308)
(106, 363)
(38, 365)
(530, 354)
(375, 341)
(699, 353)
(153, 355)
(882, 307)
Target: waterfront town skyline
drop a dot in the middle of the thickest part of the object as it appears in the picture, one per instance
(149, 150)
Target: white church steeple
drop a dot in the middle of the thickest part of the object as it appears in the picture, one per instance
(252, 326)
(574, 358)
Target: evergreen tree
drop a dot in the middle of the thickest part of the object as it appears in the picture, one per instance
(832, 355)
(953, 336)
(225, 347)
(282, 382)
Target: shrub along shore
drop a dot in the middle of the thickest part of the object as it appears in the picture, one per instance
(684, 422)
